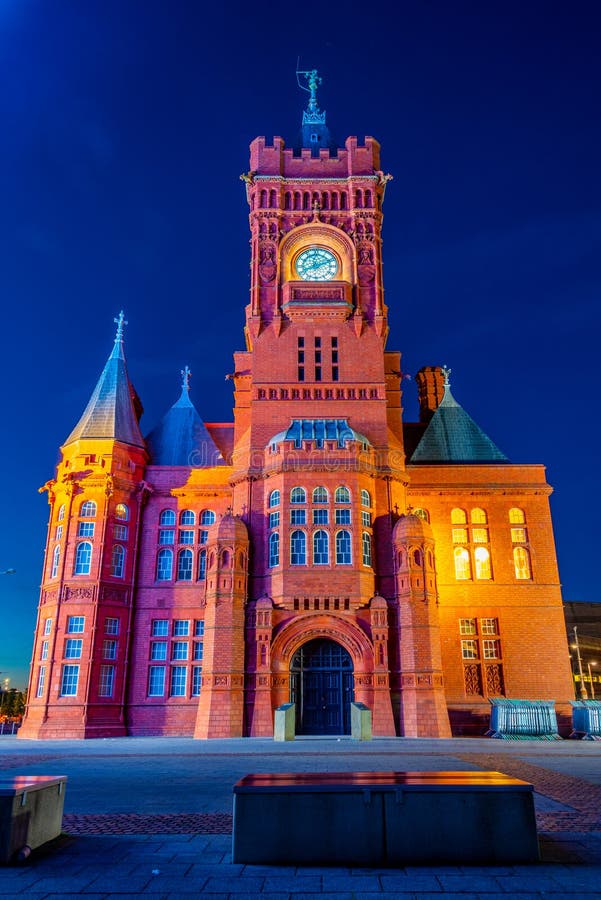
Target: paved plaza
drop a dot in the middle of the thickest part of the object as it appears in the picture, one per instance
(152, 816)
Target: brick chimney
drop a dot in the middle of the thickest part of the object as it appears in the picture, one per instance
(430, 388)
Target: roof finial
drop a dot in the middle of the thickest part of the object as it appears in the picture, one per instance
(120, 322)
(446, 372)
(186, 373)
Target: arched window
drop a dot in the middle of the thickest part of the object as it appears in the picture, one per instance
(88, 510)
(164, 565)
(298, 548)
(320, 495)
(117, 561)
(187, 517)
(83, 558)
(458, 516)
(516, 516)
(482, 560)
(343, 495)
(417, 557)
(202, 565)
(298, 495)
(122, 512)
(184, 565)
(274, 499)
(55, 561)
(321, 548)
(422, 514)
(478, 516)
(207, 517)
(274, 549)
(521, 562)
(343, 548)
(366, 548)
(61, 512)
(463, 569)
(167, 517)
(365, 498)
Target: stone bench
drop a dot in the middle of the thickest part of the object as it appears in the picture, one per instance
(384, 818)
(586, 720)
(31, 813)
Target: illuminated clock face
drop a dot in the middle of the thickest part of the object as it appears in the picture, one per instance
(316, 264)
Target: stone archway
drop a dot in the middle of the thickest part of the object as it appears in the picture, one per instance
(321, 687)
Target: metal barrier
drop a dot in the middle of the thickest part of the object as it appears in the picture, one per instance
(522, 720)
(586, 720)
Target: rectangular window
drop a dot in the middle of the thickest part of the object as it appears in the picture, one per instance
(317, 343)
(166, 535)
(467, 626)
(181, 628)
(186, 536)
(301, 373)
(298, 516)
(317, 373)
(469, 649)
(156, 681)
(179, 650)
(47, 626)
(85, 529)
(301, 357)
(41, 681)
(106, 682)
(274, 519)
(320, 516)
(203, 536)
(109, 649)
(120, 532)
(343, 517)
(480, 535)
(196, 680)
(69, 679)
(75, 624)
(44, 653)
(178, 681)
(199, 628)
(160, 627)
(518, 535)
(335, 373)
(111, 625)
(158, 650)
(491, 649)
(366, 519)
(460, 535)
(73, 648)
(198, 650)
(489, 626)
(301, 342)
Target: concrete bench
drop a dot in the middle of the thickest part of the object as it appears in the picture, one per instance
(384, 818)
(31, 813)
(586, 720)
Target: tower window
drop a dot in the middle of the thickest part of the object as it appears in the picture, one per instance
(320, 495)
(274, 498)
(343, 548)
(117, 561)
(207, 517)
(167, 517)
(298, 495)
(164, 565)
(274, 549)
(83, 559)
(298, 548)
(366, 548)
(184, 565)
(88, 510)
(187, 517)
(321, 548)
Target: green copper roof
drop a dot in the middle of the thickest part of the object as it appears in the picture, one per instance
(453, 437)
(181, 438)
(110, 413)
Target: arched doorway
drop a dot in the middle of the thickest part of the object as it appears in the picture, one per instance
(322, 687)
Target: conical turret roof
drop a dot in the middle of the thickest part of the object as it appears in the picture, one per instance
(452, 436)
(181, 437)
(110, 413)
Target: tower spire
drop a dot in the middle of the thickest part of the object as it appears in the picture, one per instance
(315, 133)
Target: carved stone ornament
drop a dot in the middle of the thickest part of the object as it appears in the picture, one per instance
(78, 593)
(267, 265)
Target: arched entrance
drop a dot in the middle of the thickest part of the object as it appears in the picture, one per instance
(322, 687)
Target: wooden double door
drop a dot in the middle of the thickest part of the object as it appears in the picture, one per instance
(322, 687)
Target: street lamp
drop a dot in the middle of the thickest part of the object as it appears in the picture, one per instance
(590, 678)
(583, 693)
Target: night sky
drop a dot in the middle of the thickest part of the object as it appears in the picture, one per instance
(125, 127)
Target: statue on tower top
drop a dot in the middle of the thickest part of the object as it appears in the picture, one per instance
(312, 115)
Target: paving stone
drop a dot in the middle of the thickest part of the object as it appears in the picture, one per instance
(455, 884)
(298, 884)
(409, 883)
(357, 882)
(233, 885)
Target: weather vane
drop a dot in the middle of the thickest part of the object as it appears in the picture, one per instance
(312, 114)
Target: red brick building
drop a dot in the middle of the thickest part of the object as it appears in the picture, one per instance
(317, 549)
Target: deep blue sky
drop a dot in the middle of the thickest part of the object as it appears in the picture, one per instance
(125, 126)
